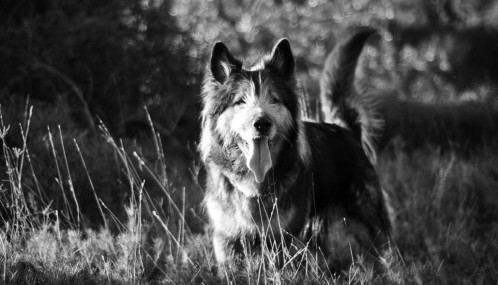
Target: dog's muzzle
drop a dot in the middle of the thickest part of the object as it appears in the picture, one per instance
(258, 150)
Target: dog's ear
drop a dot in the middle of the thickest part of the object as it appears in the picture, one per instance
(282, 59)
(223, 63)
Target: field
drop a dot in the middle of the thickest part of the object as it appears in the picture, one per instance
(445, 204)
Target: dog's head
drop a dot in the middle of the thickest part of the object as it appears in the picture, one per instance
(250, 112)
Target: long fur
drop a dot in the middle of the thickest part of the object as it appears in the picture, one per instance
(340, 103)
(273, 178)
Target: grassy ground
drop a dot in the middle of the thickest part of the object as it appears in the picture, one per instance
(445, 206)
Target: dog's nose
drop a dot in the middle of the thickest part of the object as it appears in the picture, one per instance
(262, 124)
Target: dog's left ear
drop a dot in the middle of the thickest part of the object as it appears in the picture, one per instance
(282, 59)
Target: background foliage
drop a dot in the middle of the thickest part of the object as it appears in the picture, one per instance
(107, 59)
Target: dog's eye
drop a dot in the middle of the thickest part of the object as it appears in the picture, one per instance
(239, 102)
(274, 100)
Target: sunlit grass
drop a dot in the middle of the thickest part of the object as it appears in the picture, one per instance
(446, 227)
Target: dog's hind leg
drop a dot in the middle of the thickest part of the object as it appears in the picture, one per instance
(369, 222)
(346, 241)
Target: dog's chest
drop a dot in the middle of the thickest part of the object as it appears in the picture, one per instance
(241, 216)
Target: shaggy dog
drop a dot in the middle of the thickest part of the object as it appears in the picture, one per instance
(274, 178)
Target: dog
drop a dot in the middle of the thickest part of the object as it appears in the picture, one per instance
(274, 177)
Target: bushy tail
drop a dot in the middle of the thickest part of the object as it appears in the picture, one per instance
(340, 103)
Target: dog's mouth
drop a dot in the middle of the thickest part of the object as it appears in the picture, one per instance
(257, 153)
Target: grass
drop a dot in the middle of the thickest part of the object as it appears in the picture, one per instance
(446, 218)
(53, 232)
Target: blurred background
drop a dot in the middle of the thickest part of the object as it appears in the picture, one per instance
(80, 64)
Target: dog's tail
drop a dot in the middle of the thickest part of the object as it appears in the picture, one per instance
(340, 103)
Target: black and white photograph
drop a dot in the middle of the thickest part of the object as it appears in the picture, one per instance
(248, 142)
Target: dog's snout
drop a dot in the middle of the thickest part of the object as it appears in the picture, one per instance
(262, 124)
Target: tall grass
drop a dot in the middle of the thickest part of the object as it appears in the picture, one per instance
(446, 222)
(444, 207)
(55, 246)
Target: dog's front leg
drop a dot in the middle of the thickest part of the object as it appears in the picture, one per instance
(228, 252)
(220, 248)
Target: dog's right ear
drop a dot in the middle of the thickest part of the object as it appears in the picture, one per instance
(223, 64)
